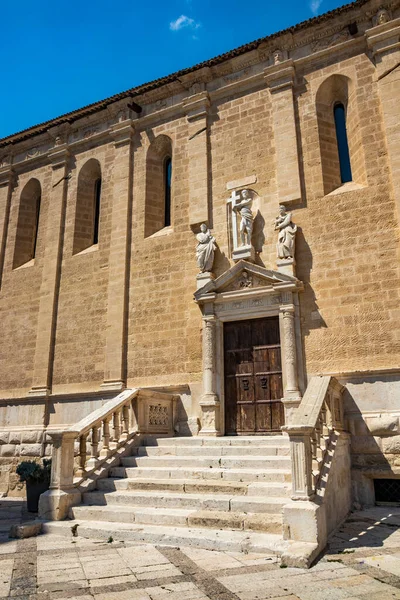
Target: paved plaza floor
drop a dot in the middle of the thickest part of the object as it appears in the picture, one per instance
(362, 562)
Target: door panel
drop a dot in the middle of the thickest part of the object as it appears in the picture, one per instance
(253, 376)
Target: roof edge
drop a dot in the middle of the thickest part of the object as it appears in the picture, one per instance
(90, 109)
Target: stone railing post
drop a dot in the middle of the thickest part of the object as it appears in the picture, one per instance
(54, 504)
(301, 461)
(209, 403)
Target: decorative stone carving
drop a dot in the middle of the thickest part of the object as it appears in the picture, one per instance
(158, 415)
(245, 281)
(205, 249)
(337, 38)
(383, 16)
(277, 56)
(287, 233)
(32, 152)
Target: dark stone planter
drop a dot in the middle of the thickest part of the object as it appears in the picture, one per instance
(33, 491)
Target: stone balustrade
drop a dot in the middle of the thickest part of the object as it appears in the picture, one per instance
(320, 462)
(86, 447)
(319, 415)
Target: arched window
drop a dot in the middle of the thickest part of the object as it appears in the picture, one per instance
(167, 191)
(28, 224)
(88, 206)
(159, 184)
(342, 143)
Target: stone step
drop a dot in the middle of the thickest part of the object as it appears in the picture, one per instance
(219, 502)
(178, 517)
(195, 537)
(224, 462)
(196, 486)
(173, 485)
(220, 441)
(213, 451)
(242, 475)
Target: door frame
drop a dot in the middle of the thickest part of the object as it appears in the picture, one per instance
(245, 292)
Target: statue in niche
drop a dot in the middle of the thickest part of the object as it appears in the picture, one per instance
(287, 233)
(205, 249)
(382, 17)
(246, 222)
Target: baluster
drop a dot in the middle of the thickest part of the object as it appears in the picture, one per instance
(125, 422)
(116, 427)
(92, 462)
(105, 451)
(82, 455)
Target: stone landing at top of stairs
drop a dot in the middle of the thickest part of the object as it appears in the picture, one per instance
(214, 493)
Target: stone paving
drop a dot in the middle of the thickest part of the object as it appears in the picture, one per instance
(362, 562)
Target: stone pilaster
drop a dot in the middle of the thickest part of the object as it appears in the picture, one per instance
(196, 108)
(118, 265)
(383, 40)
(49, 288)
(7, 180)
(280, 79)
(291, 395)
(209, 403)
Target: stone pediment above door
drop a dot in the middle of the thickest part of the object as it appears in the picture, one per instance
(245, 277)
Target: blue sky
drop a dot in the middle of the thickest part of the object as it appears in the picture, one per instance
(59, 56)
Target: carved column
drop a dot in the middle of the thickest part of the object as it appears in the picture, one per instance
(196, 108)
(49, 288)
(280, 79)
(209, 403)
(301, 459)
(292, 395)
(118, 266)
(383, 40)
(7, 180)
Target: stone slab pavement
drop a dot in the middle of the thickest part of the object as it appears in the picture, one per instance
(362, 562)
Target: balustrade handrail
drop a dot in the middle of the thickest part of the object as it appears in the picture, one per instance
(79, 450)
(319, 415)
(105, 411)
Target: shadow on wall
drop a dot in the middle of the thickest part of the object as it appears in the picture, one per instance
(375, 447)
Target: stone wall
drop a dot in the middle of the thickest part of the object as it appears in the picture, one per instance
(122, 311)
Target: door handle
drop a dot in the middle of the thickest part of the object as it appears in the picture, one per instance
(264, 382)
(245, 385)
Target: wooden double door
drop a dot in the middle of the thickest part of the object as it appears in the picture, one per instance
(253, 377)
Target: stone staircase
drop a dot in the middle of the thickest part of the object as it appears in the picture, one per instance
(216, 493)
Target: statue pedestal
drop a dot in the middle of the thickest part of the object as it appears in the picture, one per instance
(204, 278)
(244, 253)
(286, 266)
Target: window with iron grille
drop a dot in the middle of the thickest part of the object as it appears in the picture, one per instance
(387, 491)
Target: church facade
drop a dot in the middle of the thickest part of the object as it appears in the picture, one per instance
(223, 234)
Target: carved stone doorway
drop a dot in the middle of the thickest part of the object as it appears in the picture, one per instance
(253, 377)
(248, 293)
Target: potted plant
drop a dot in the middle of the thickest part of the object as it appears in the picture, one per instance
(37, 479)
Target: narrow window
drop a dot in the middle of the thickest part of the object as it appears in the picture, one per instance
(97, 195)
(342, 142)
(36, 229)
(167, 187)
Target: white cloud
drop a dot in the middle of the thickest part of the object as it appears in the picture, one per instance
(183, 21)
(314, 5)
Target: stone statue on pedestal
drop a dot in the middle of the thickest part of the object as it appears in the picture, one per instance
(287, 233)
(205, 249)
(246, 222)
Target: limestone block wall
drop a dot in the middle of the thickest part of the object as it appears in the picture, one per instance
(121, 312)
